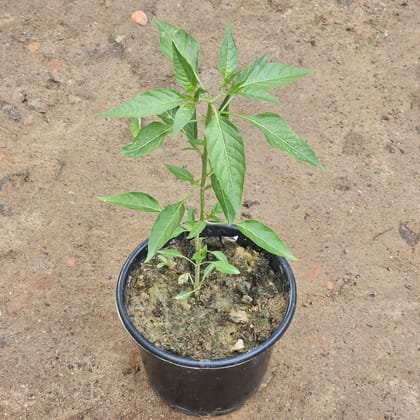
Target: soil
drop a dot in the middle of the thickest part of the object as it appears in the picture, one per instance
(352, 350)
(230, 314)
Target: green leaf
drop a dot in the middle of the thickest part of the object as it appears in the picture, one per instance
(216, 209)
(196, 229)
(265, 238)
(266, 76)
(184, 73)
(227, 157)
(178, 231)
(196, 142)
(151, 102)
(225, 105)
(225, 267)
(134, 201)
(190, 129)
(228, 54)
(190, 215)
(183, 116)
(200, 255)
(223, 200)
(207, 271)
(171, 253)
(184, 295)
(135, 126)
(169, 116)
(181, 173)
(164, 227)
(148, 139)
(259, 95)
(220, 256)
(244, 74)
(281, 136)
(163, 262)
(214, 212)
(187, 46)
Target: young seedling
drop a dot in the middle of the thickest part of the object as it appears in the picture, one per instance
(218, 144)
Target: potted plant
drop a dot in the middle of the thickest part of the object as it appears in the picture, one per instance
(208, 294)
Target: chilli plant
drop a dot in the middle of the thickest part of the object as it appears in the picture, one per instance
(218, 144)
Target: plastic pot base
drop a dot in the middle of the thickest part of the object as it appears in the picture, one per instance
(211, 391)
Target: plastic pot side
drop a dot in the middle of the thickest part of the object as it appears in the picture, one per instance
(206, 387)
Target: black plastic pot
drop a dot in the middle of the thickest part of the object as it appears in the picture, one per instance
(206, 387)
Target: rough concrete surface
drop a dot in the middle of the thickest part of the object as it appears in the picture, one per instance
(353, 349)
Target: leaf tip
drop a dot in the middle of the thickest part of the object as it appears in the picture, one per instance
(307, 72)
(126, 153)
(322, 167)
(317, 164)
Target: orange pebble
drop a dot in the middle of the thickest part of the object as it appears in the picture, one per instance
(33, 46)
(330, 285)
(139, 17)
(71, 262)
(55, 65)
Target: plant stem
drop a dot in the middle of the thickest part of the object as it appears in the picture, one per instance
(225, 103)
(203, 187)
(197, 264)
(203, 183)
(204, 159)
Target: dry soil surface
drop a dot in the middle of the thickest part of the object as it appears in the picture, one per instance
(353, 349)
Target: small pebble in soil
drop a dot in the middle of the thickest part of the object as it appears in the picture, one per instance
(238, 346)
(139, 17)
(238, 316)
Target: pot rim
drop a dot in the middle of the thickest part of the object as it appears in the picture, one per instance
(208, 363)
